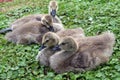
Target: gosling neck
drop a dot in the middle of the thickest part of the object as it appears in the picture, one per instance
(64, 55)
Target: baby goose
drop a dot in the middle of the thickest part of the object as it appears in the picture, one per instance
(31, 32)
(92, 51)
(57, 27)
(49, 40)
(50, 36)
(53, 7)
(68, 48)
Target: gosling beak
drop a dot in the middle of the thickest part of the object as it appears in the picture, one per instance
(53, 13)
(57, 48)
(42, 47)
(51, 28)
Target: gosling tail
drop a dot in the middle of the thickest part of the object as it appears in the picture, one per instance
(109, 38)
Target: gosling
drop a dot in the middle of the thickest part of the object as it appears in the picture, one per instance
(83, 55)
(31, 32)
(49, 40)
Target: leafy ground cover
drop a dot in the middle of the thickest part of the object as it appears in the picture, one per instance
(17, 62)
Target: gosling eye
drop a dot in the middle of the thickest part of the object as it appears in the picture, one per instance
(46, 41)
(63, 43)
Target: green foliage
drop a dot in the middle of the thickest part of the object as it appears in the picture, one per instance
(94, 16)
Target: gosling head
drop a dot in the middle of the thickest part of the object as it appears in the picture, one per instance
(67, 44)
(53, 7)
(48, 22)
(49, 40)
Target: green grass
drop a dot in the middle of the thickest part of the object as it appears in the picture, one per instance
(17, 62)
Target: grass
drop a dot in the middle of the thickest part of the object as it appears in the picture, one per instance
(17, 62)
